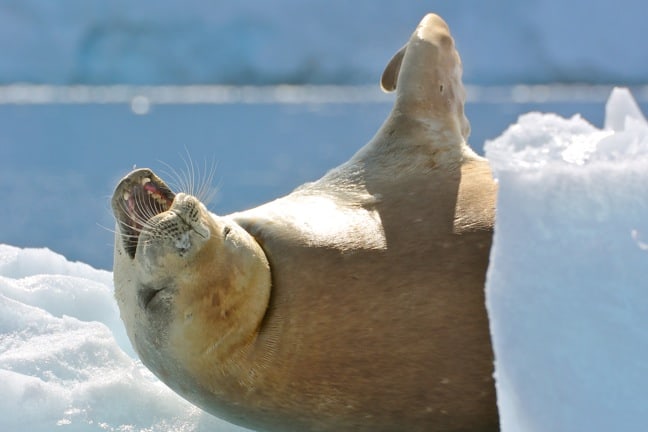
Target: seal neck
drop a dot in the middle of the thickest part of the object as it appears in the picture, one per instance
(220, 313)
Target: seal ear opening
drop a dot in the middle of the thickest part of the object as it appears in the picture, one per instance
(389, 77)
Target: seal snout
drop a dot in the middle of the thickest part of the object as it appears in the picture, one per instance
(140, 196)
(187, 208)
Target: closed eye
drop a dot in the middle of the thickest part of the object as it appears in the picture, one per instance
(146, 294)
(226, 231)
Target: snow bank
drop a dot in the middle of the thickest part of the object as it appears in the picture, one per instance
(319, 41)
(567, 287)
(64, 356)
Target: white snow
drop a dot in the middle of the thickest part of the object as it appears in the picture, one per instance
(65, 359)
(319, 41)
(567, 288)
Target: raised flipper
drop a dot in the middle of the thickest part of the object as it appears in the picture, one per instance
(426, 74)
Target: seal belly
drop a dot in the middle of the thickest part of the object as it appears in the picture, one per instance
(383, 339)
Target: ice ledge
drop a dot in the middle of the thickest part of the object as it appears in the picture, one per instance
(538, 140)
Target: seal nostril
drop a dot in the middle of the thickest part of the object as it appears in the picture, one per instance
(226, 231)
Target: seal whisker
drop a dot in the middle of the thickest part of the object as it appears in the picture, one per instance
(110, 230)
(184, 178)
(139, 218)
(138, 213)
(123, 235)
(146, 212)
(205, 192)
(145, 206)
(194, 180)
(176, 179)
(180, 177)
(190, 172)
(136, 229)
(211, 189)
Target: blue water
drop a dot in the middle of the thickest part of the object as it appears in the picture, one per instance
(60, 162)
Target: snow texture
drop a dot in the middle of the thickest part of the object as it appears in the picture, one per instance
(65, 360)
(319, 41)
(567, 286)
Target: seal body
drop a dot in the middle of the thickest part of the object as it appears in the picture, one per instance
(356, 303)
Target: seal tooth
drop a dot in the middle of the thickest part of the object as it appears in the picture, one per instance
(156, 196)
(126, 196)
(145, 180)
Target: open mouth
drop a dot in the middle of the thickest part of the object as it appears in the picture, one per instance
(139, 197)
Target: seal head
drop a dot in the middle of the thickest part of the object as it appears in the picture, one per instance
(189, 284)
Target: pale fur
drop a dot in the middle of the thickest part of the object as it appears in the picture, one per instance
(355, 303)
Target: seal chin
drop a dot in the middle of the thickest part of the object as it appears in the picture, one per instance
(179, 270)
